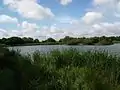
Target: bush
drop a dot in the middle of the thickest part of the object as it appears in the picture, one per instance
(105, 42)
(88, 42)
(73, 42)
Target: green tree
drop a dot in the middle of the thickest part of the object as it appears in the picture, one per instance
(50, 40)
(14, 41)
(73, 42)
(88, 42)
(105, 42)
(28, 40)
(3, 40)
(36, 41)
(65, 39)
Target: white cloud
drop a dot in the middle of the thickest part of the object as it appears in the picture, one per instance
(45, 32)
(100, 2)
(108, 7)
(66, 20)
(27, 30)
(102, 19)
(29, 9)
(3, 33)
(98, 29)
(92, 17)
(107, 29)
(117, 13)
(65, 2)
(78, 30)
(8, 19)
(26, 25)
(33, 30)
(52, 31)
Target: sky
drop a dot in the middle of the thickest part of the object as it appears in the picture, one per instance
(59, 18)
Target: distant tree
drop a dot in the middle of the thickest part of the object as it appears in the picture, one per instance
(50, 40)
(3, 40)
(94, 39)
(36, 41)
(0, 40)
(66, 39)
(28, 40)
(102, 38)
(105, 42)
(25, 39)
(73, 42)
(14, 41)
(88, 42)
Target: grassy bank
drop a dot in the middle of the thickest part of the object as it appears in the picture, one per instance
(59, 70)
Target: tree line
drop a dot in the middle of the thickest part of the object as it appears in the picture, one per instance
(103, 40)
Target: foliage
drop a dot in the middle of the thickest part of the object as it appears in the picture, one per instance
(88, 41)
(105, 42)
(28, 40)
(59, 70)
(73, 42)
(67, 40)
(50, 40)
(36, 41)
(13, 41)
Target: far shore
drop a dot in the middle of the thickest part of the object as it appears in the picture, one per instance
(57, 44)
(67, 40)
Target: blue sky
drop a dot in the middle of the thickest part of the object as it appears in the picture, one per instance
(58, 18)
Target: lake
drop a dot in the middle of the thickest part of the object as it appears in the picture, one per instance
(114, 49)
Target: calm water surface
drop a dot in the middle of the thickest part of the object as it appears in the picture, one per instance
(113, 49)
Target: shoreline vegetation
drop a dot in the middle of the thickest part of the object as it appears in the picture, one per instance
(28, 41)
(59, 70)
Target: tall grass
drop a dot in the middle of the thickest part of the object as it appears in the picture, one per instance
(68, 69)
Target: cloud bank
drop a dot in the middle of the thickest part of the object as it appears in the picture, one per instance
(103, 18)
